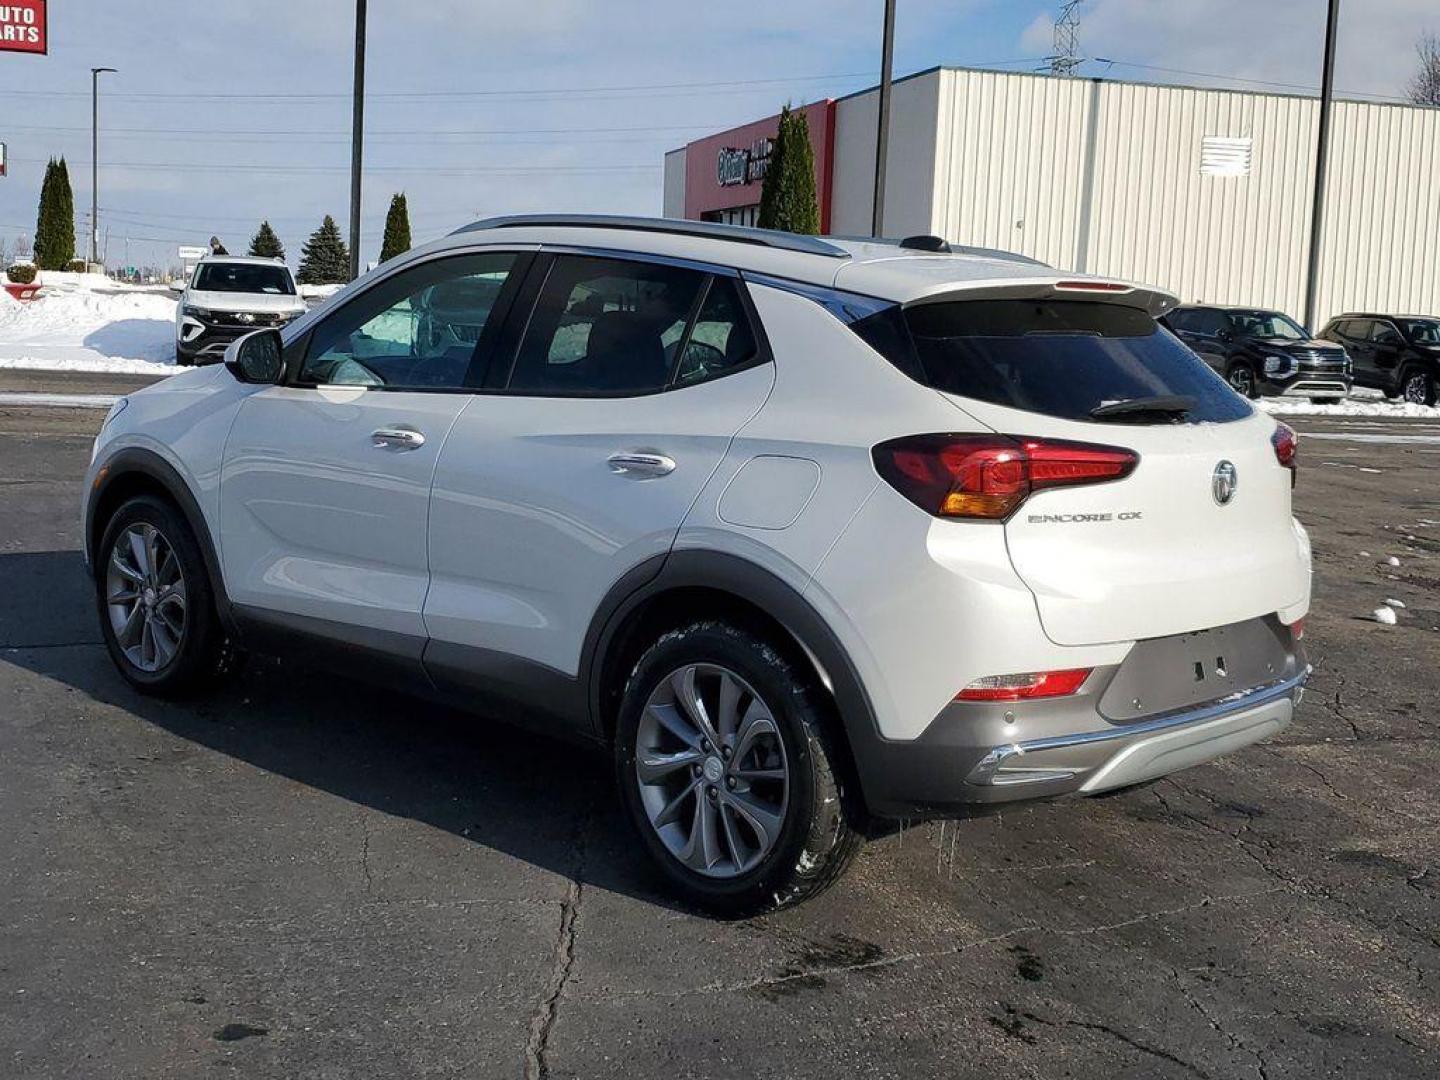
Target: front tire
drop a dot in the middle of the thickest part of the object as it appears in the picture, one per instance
(724, 760)
(1417, 386)
(156, 603)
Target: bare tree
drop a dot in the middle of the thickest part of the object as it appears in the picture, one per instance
(1425, 86)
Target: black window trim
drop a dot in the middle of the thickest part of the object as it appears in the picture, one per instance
(297, 350)
(539, 273)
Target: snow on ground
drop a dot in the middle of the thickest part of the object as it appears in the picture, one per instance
(131, 331)
(1361, 402)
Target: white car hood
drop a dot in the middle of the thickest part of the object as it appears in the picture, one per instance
(238, 301)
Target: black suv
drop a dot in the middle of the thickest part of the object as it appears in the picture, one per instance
(1263, 352)
(1399, 354)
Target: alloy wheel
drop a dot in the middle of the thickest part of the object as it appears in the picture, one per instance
(145, 597)
(1242, 380)
(712, 770)
(1417, 388)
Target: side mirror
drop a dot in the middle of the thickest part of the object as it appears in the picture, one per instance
(176, 287)
(258, 357)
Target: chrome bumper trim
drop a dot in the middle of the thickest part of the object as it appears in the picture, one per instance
(987, 771)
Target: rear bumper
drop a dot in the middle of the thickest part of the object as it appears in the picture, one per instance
(974, 755)
(1095, 761)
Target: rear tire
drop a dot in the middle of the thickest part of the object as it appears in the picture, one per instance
(156, 603)
(181, 360)
(1325, 401)
(1241, 378)
(755, 821)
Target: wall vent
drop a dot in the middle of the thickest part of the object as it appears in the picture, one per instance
(1224, 156)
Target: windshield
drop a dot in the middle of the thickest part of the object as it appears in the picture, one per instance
(1267, 324)
(1422, 331)
(1063, 358)
(244, 278)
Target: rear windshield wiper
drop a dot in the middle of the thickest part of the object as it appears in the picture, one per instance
(1173, 405)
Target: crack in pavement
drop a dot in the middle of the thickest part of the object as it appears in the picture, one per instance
(1115, 1033)
(537, 1045)
(768, 981)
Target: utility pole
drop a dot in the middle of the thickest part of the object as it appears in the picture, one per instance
(882, 120)
(357, 139)
(95, 159)
(1322, 161)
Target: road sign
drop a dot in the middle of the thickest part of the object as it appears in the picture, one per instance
(23, 27)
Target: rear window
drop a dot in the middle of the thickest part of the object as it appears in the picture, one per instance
(1061, 358)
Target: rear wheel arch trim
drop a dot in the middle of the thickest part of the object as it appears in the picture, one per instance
(138, 461)
(752, 585)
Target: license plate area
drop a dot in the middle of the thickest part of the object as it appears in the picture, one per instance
(1165, 675)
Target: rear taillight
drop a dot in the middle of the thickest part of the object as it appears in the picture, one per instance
(987, 477)
(1286, 444)
(1025, 687)
(1297, 629)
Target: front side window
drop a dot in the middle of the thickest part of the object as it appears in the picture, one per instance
(606, 326)
(1382, 333)
(420, 329)
(1062, 358)
(244, 278)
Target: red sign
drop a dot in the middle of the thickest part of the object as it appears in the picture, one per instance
(22, 26)
(723, 172)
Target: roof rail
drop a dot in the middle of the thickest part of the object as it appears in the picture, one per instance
(773, 238)
(926, 244)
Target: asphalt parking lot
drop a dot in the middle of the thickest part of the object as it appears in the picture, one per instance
(307, 877)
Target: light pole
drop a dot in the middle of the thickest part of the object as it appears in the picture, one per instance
(882, 120)
(1322, 160)
(95, 160)
(357, 138)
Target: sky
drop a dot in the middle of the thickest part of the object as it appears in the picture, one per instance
(228, 111)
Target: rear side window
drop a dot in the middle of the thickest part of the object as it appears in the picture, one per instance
(1061, 358)
(606, 326)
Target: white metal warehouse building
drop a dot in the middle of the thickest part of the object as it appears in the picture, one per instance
(1204, 192)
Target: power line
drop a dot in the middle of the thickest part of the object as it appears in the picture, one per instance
(429, 170)
(1310, 87)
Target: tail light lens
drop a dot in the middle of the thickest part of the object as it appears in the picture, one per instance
(1286, 444)
(987, 477)
(1025, 687)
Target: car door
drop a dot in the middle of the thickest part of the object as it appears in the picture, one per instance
(1208, 328)
(1355, 334)
(326, 477)
(628, 384)
(1387, 347)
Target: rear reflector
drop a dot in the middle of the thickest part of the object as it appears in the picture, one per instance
(1026, 687)
(1287, 446)
(1297, 629)
(987, 477)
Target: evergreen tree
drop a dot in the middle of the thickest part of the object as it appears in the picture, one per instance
(55, 222)
(787, 196)
(397, 228)
(265, 244)
(324, 260)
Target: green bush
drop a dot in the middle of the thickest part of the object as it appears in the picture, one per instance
(77, 266)
(21, 273)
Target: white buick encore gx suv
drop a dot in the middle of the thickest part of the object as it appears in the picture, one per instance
(813, 534)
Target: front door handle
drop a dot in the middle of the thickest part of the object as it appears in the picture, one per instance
(397, 438)
(641, 464)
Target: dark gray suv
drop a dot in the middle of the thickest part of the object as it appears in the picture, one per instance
(1398, 354)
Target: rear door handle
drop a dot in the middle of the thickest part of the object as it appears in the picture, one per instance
(641, 464)
(397, 438)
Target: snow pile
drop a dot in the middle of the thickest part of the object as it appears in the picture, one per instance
(318, 292)
(80, 329)
(1361, 402)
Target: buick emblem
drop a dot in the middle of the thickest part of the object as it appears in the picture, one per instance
(1224, 482)
(245, 317)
